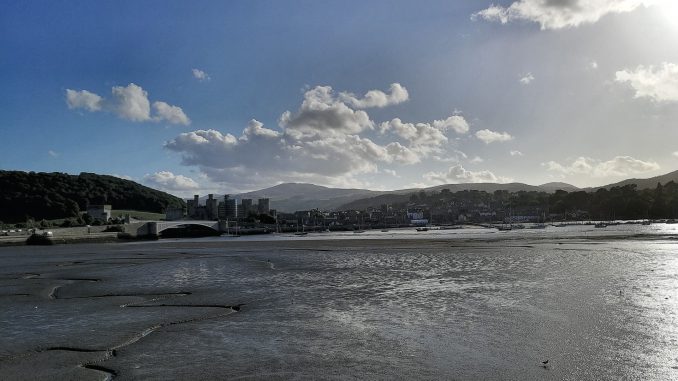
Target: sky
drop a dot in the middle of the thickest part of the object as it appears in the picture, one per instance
(235, 96)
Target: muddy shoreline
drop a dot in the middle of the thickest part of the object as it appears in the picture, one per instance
(359, 308)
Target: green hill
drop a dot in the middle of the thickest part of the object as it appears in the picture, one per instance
(40, 195)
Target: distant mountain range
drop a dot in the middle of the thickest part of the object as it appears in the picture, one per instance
(642, 183)
(290, 197)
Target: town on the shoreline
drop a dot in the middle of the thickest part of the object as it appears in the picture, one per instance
(446, 208)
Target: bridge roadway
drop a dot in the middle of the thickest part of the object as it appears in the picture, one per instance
(157, 227)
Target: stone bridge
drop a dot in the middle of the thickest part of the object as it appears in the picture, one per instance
(157, 227)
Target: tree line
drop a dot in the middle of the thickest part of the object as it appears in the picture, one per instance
(624, 202)
(36, 196)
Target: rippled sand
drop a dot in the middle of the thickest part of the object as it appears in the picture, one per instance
(596, 308)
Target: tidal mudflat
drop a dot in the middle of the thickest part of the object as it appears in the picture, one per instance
(595, 307)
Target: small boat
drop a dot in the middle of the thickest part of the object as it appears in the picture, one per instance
(384, 230)
(358, 231)
(301, 233)
(600, 225)
(422, 229)
(646, 222)
(504, 228)
(538, 226)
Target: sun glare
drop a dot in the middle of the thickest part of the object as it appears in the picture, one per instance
(669, 9)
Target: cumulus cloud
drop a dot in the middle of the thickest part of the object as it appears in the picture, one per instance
(172, 114)
(458, 174)
(657, 83)
(203, 147)
(83, 99)
(457, 123)
(527, 79)
(377, 98)
(558, 14)
(487, 136)
(423, 137)
(516, 153)
(200, 75)
(168, 181)
(128, 102)
(322, 114)
(476, 160)
(617, 166)
(256, 128)
(327, 140)
(131, 102)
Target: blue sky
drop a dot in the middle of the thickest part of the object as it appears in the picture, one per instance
(529, 91)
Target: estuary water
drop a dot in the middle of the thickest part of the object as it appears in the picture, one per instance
(387, 305)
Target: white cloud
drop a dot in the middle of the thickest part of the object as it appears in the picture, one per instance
(454, 122)
(377, 98)
(53, 153)
(558, 14)
(131, 102)
(256, 128)
(657, 83)
(390, 172)
(423, 137)
(516, 153)
(487, 136)
(203, 147)
(323, 115)
(476, 160)
(172, 114)
(527, 79)
(457, 174)
(617, 166)
(675, 154)
(83, 99)
(593, 65)
(200, 75)
(326, 141)
(168, 181)
(128, 102)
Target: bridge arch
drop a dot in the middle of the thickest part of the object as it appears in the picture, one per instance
(157, 227)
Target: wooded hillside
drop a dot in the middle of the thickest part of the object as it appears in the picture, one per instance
(25, 195)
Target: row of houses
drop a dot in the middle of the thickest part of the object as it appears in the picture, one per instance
(448, 212)
(416, 214)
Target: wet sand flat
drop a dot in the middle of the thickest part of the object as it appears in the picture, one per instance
(596, 308)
